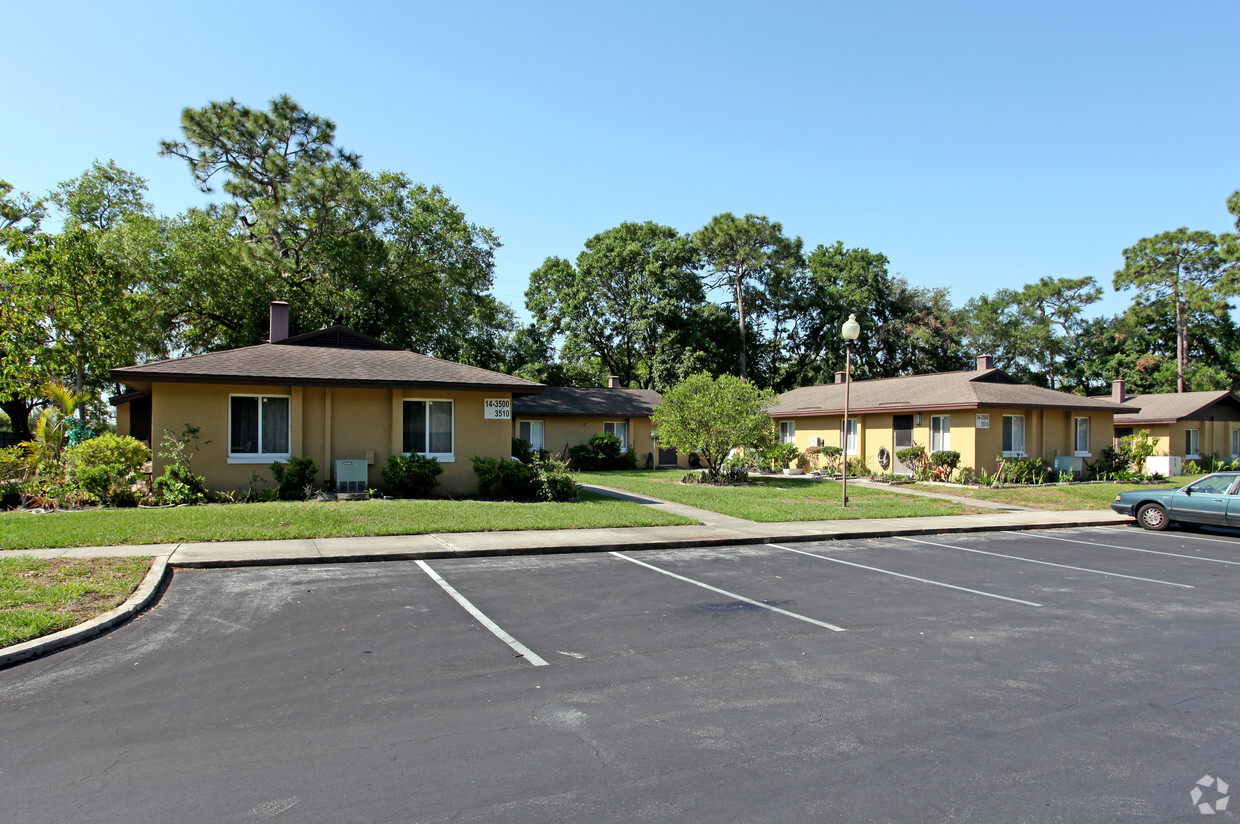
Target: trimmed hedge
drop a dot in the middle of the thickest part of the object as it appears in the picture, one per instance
(602, 452)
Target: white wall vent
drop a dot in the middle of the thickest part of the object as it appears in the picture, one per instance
(351, 475)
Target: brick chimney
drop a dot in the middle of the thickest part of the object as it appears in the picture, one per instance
(985, 362)
(1117, 391)
(840, 377)
(613, 382)
(278, 326)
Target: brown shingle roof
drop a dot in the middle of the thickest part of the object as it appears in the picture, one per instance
(588, 401)
(329, 357)
(1171, 406)
(987, 388)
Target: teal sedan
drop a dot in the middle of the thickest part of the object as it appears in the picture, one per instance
(1212, 500)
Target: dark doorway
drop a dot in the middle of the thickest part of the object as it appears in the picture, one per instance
(140, 419)
(901, 438)
(667, 457)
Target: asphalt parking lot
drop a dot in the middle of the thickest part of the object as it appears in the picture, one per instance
(1076, 676)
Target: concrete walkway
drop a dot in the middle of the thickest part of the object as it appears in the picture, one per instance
(707, 517)
(715, 530)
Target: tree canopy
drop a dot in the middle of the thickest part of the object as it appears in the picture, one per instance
(625, 300)
(301, 220)
(746, 256)
(713, 416)
(1184, 274)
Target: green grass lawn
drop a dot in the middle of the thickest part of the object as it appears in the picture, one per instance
(1053, 496)
(250, 522)
(39, 597)
(774, 498)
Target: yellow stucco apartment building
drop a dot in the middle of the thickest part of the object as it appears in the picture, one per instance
(1186, 425)
(982, 413)
(564, 416)
(330, 395)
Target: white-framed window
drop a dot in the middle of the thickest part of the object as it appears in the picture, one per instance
(940, 433)
(533, 433)
(1235, 443)
(1013, 436)
(1192, 443)
(1081, 437)
(427, 428)
(788, 432)
(849, 444)
(620, 429)
(258, 428)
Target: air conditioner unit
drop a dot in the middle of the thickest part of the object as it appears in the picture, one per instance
(351, 475)
(1070, 463)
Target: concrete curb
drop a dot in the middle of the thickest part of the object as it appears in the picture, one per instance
(142, 597)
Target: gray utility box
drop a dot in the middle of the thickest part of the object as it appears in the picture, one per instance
(351, 475)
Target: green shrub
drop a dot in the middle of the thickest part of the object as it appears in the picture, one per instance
(412, 476)
(505, 478)
(942, 464)
(749, 461)
(832, 457)
(966, 475)
(179, 484)
(1138, 447)
(522, 450)
(858, 467)
(1110, 462)
(1211, 462)
(14, 477)
(914, 457)
(104, 468)
(782, 454)
(1022, 471)
(601, 453)
(553, 481)
(295, 479)
(726, 476)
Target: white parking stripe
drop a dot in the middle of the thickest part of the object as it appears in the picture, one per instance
(1192, 536)
(1126, 548)
(1047, 563)
(521, 649)
(902, 575)
(732, 595)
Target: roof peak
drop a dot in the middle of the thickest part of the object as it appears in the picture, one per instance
(335, 337)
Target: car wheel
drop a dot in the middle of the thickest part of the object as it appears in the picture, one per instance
(1152, 516)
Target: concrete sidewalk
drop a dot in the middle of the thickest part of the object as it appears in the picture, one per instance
(532, 542)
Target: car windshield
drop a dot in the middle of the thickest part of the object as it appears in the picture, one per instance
(1213, 484)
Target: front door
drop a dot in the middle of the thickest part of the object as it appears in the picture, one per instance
(901, 438)
(667, 456)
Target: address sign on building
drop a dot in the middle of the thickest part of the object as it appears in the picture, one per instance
(983, 421)
(496, 409)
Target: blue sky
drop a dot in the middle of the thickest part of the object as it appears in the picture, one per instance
(977, 145)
